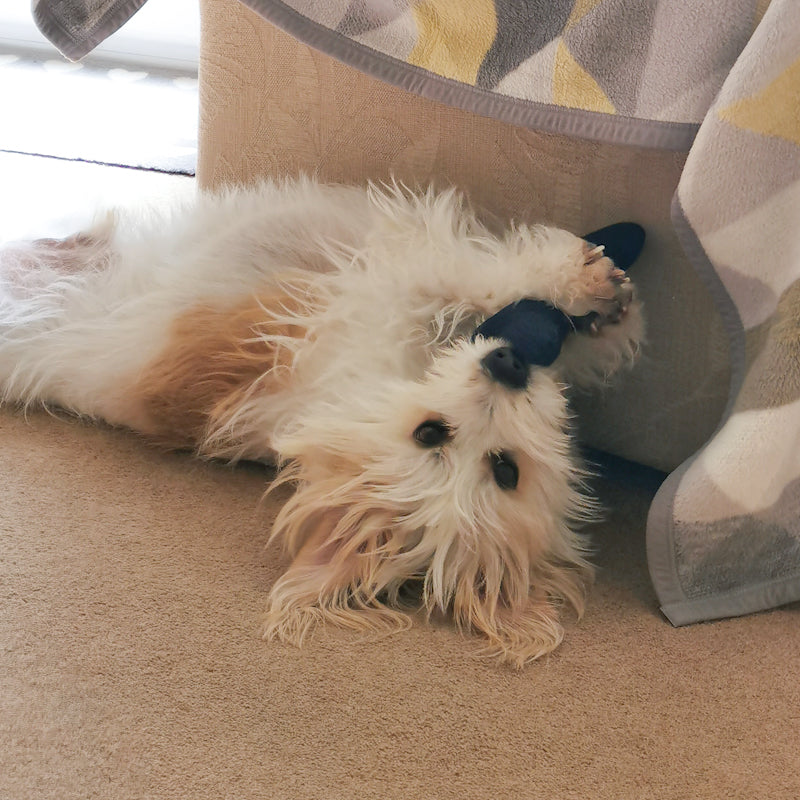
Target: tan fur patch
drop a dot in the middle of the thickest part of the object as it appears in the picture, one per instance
(214, 360)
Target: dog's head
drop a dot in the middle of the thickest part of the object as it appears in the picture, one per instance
(464, 480)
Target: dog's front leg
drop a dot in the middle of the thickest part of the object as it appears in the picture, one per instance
(537, 262)
(569, 274)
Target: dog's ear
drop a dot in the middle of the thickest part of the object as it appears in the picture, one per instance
(315, 581)
(342, 563)
(622, 241)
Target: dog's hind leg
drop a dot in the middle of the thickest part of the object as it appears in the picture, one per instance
(57, 330)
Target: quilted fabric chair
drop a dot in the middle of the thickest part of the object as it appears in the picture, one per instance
(272, 106)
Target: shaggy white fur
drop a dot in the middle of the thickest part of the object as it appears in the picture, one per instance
(327, 328)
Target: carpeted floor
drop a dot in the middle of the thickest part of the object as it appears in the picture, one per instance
(132, 584)
(131, 588)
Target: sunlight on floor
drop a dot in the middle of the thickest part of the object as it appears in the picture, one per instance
(49, 197)
(132, 101)
(133, 117)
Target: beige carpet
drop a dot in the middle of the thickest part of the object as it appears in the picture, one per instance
(131, 585)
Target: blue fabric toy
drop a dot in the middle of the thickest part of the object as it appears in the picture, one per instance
(535, 329)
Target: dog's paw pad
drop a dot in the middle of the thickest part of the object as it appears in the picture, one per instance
(602, 292)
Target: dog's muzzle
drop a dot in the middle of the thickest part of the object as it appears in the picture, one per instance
(507, 368)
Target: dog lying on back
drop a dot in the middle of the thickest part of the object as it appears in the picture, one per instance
(328, 329)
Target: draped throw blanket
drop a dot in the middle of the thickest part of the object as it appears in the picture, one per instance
(76, 27)
(721, 80)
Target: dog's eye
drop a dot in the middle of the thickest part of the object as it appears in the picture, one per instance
(432, 433)
(505, 471)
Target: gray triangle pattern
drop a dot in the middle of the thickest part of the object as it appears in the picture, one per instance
(598, 42)
(542, 20)
(689, 45)
(742, 551)
(778, 358)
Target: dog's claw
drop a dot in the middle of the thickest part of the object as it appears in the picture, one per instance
(595, 254)
(610, 303)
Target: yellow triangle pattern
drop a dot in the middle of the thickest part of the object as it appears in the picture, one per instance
(450, 41)
(573, 87)
(774, 111)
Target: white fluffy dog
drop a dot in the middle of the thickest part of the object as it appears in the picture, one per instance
(328, 329)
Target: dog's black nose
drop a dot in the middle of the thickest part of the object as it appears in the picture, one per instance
(506, 367)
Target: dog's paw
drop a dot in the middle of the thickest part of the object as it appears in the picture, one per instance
(598, 294)
(592, 358)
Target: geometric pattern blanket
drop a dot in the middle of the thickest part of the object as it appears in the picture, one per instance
(719, 79)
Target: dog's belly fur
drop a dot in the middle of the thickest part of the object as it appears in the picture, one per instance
(153, 328)
(87, 323)
(321, 327)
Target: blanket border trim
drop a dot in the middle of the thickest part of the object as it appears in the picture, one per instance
(766, 596)
(675, 604)
(612, 129)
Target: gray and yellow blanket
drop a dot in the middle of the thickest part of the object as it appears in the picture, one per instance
(720, 79)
